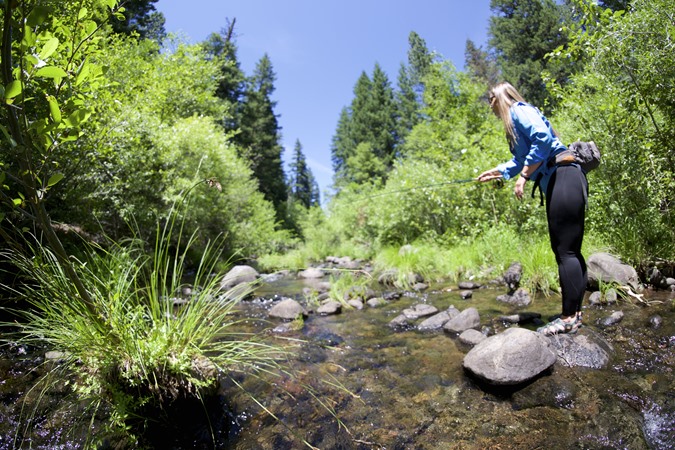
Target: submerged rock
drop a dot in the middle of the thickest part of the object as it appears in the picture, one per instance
(512, 357)
(468, 285)
(472, 337)
(613, 319)
(584, 349)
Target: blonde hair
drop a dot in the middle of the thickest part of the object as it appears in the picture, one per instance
(505, 95)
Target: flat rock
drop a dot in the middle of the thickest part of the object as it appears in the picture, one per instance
(584, 349)
(329, 308)
(438, 320)
(419, 310)
(471, 337)
(312, 272)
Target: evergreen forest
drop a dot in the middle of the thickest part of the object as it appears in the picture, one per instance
(131, 160)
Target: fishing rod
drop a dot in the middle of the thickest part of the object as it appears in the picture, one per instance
(499, 183)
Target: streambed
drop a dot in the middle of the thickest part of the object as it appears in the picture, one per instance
(406, 389)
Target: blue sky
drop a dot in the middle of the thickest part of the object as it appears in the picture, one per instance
(318, 49)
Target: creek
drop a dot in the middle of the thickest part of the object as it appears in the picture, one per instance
(359, 384)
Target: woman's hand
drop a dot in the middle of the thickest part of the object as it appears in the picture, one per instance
(519, 189)
(488, 175)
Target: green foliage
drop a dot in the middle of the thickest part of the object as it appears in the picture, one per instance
(622, 101)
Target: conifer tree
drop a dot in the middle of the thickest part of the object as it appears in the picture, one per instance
(419, 63)
(302, 185)
(260, 134)
(521, 33)
(222, 47)
(407, 106)
(140, 16)
(480, 64)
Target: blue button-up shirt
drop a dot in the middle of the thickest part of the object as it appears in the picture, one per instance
(536, 142)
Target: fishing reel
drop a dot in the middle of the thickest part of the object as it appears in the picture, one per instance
(498, 183)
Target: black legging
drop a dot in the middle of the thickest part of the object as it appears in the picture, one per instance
(565, 211)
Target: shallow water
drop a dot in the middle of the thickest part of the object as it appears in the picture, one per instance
(406, 389)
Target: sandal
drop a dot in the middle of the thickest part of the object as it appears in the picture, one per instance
(580, 319)
(559, 326)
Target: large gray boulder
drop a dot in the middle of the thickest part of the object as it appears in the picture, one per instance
(469, 318)
(606, 268)
(512, 357)
(238, 275)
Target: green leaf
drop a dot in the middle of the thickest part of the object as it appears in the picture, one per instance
(49, 48)
(38, 15)
(82, 14)
(13, 89)
(55, 179)
(54, 109)
(51, 72)
(7, 135)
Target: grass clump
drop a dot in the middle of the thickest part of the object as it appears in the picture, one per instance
(146, 345)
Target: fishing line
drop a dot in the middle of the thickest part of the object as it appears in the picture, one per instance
(398, 191)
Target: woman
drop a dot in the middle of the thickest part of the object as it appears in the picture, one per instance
(534, 145)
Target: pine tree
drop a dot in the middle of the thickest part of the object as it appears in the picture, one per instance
(140, 16)
(371, 119)
(479, 63)
(260, 135)
(222, 47)
(419, 63)
(521, 33)
(407, 106)
(302, 185)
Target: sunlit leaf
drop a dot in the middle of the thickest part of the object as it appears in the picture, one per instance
(13, 89)
(49, 48)
(55, 179)
(82, 14)
(54, 109)
(51, 72)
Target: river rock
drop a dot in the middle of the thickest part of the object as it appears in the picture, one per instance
(519, 298)
(287, 309)
(512, 276)
(466, 294)
(587, 349)
(376, 302)
(595, 298)
(520, 318)
(355, 303)
(655, 321)
(606, 268)
(400, 321)
(238, 275)
(469, 318)
(468, 285)
(419, 310)
(329, 308)
(438, 320)
(311, 273)
(614, 319)
(471, 337)
(511, 357)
